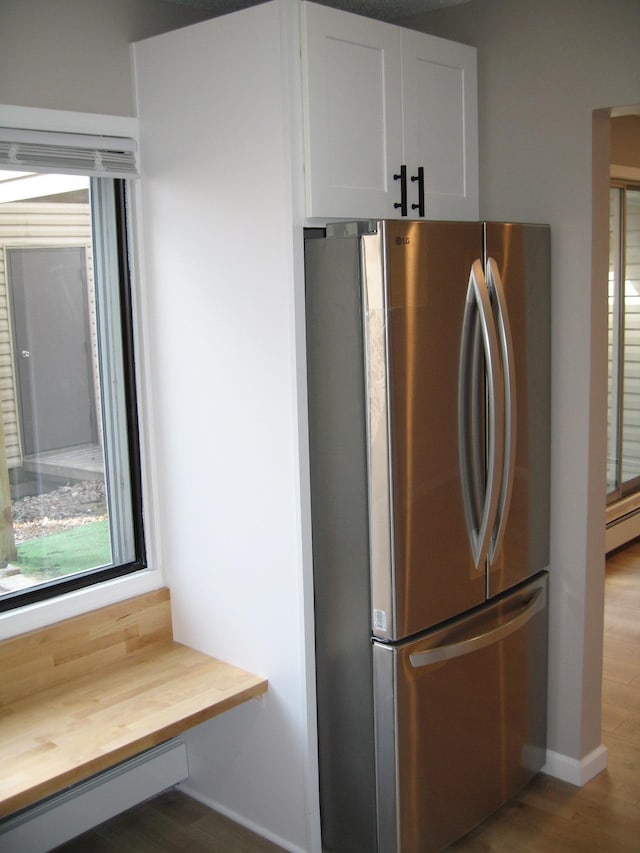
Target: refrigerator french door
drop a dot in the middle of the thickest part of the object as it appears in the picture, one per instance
(428, 360)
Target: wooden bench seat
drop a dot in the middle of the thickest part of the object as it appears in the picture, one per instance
(84, 694)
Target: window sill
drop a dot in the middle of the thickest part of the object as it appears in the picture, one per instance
(32, 617)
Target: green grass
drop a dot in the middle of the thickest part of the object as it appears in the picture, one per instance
(84, 547)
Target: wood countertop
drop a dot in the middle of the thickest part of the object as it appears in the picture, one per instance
(83, 695)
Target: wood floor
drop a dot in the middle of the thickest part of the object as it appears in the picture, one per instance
(549, 816)
(170, 823)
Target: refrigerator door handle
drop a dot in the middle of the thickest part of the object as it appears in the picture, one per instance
(494, 283)
(480, 525)
(479, 641)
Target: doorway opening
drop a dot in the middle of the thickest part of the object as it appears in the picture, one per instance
(623, 402)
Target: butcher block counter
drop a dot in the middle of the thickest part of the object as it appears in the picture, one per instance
(84, 694)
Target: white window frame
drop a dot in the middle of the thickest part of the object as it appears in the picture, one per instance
(39, 614)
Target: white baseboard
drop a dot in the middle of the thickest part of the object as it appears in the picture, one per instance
(237, 818)
(576, 771)
(83, 806)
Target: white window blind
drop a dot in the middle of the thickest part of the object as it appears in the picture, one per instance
(69, 153)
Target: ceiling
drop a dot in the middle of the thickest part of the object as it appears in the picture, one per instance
(385, 10)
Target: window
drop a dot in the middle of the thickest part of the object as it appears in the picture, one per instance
(623, 428)
(70, 488)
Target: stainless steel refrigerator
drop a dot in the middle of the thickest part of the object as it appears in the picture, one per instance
(428, 367)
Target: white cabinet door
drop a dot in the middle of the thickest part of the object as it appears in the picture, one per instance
(378, 97)
(440, 125)
(353, 114)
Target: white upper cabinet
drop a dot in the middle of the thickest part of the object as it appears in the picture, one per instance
(352, 72)
(390, 120)
(441, 123)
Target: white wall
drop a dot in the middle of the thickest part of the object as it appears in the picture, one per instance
(223, 276)
(75, 54)
(543, 68)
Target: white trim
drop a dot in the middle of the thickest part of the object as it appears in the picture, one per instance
(576, 771)
(239, 819)
(31, 118)
(30, 617)
(80, 808)
(75, 140)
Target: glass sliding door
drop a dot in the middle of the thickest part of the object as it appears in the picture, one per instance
(623, 443)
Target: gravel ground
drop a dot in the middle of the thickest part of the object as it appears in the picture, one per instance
(63, 508)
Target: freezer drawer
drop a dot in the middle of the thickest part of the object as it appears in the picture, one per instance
(460, 721)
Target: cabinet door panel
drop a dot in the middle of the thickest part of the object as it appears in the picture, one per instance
(353, 114)
(440, 121)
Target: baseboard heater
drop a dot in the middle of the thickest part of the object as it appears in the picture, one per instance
(63, 816)
(622, 529)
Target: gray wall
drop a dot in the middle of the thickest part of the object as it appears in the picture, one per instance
(74, 54)
(543, 68)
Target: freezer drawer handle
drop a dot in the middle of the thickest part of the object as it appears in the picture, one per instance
(455, 650)
(402, 177)
(480, 522)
